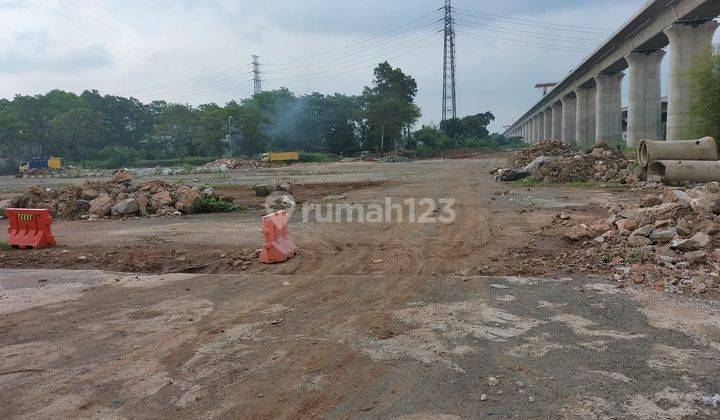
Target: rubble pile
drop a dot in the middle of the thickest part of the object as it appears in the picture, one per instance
(229, 164)
(670, 241)
(116, 198)
(549, 148)
(394, 159)
(557, 162)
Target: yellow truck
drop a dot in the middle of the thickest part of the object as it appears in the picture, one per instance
(280, 157)
(37, 164)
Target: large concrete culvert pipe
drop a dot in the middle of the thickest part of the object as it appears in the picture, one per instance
(704, 149)
(671, 172)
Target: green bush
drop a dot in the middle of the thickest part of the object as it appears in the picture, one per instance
(213, 205)
(705, 109)
(317, 157)
(4, 245)
(9, 167)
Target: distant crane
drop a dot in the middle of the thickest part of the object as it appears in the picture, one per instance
(545, 87)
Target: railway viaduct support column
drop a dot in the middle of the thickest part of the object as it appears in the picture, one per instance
(585, 120)
(644, 106)
(557, 115)
(608, 108)
(569, 113)
(548, 123)
(690, 43)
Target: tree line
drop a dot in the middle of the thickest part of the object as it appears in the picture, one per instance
(119, 130)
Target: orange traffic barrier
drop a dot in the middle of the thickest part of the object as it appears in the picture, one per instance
(29, 228)
(277, 245)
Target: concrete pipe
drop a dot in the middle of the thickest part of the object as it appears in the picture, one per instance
(674, 171)
(702, 149)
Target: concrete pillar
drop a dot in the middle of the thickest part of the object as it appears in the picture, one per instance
(541, 126)
(608, 108)
(644, 106)
(585, 119)
(690, 43)
(547, 126)
(557, 115)
(533, 130)
(569, 114)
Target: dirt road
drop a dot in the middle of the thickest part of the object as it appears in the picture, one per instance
(370, 320)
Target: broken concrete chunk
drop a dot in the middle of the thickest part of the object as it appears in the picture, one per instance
(101, 206)
(125, 207)
(697, 241)
(637, 241)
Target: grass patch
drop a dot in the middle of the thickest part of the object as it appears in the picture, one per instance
(4, 245)
(317, 157)
(213, 205)
(533, 182)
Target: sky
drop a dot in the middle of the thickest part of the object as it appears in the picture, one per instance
(199, 51)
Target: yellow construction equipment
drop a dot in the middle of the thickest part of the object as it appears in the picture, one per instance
(280, 157)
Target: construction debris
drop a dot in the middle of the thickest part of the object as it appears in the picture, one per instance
(117, 198)
(556, 162)
(229, 164)
(669, 241)
(394, 159)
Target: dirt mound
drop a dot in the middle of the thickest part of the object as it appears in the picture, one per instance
(598, 164)
(544, 148)
(557, 162)
(669, 241)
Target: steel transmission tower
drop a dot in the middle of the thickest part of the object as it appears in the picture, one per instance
(449, 100)
(256, 74)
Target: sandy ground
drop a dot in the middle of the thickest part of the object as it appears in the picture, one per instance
(369, 320)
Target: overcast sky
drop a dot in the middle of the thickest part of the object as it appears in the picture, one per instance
(197, 51)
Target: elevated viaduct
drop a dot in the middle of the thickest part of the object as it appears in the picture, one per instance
(585, 107)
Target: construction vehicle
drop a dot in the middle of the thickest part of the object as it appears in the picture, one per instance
(35, 165)
(280, 157)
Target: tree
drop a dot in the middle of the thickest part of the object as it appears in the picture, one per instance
(248, 119)
(176, 127)
(705, 109)
(77, 131)
(471, 126)
(389, 105)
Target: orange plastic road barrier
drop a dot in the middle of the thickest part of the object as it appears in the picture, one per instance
(277, 245)
(29, 228)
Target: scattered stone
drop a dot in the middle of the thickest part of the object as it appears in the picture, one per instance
(696, 256)
(126, 207)
(638, 241)
(663, 236)
(101, 206)
(492, 381)
(122, 177)
(189, 201)
(697, 241)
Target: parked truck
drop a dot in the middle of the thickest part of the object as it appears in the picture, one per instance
(35, 165)
(280, 157)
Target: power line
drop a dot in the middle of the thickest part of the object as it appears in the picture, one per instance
(534, 23)
(471, 24)
(359, 59)
(523, 43)
(331, 74)
(210, 76)
(354, 52)
(449, 102)
(379, 36)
